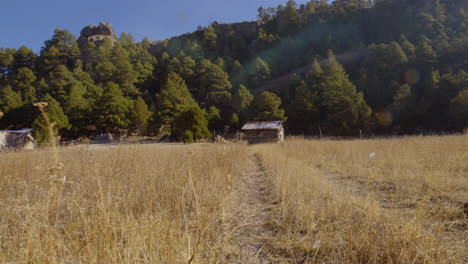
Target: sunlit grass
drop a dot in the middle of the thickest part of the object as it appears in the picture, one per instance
(140, 203)
(371, 201)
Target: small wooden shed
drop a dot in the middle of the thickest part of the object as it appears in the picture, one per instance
(259, 132)
(16, 139)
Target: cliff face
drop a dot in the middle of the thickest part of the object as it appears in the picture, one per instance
(96, 35)
(249, 30)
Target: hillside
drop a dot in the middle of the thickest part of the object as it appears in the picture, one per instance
(394, 66)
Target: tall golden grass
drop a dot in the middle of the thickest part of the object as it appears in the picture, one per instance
(332, 202)
(371, 201)
(126, 204)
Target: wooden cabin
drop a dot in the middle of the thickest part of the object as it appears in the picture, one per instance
(260, 132)
(16, 139)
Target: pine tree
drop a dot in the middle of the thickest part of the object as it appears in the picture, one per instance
(242, 99)
(214, 85)
(23, 83)
(289, 19)
(140, 115)
(302, 111)
(267, 108)
(172, 99)
(260, 72)
(9, 99)
(113, 111)
(191, 121)
(343, 108)
(56, 116)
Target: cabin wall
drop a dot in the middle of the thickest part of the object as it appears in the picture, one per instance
(10, 140)
(260, 136)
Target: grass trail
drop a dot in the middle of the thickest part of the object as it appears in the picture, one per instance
(253, 229)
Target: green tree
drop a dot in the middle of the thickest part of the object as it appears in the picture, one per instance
(24, 57)
(289, 19)
(344, 110)
(260, 72)
(210, 37)
(382, 72)
(60, 82)
(140, 115)
(214, 85)
(173, 97)
(402, 95)
(267, 108)
(213, 116)
(302, 111)
(113, 112)
(191, 119)
(242, 99)
(105, 72)
(56, 116)
(23, 83)
(9, 99)
(7, 60)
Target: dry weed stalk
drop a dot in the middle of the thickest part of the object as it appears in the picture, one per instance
(56, 183)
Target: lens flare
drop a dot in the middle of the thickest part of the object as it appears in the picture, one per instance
(384, 118)
(412, 76)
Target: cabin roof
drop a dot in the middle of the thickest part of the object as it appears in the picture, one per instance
(270, 125)
(21, 131)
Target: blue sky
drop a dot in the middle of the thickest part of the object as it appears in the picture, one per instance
(31, 22)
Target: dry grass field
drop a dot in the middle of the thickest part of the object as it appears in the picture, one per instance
(303, 201)
(126, 204)
(371, 201)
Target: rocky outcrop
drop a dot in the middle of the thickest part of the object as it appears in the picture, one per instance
(249, 29)
(97, 34)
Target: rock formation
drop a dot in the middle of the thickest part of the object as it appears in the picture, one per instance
(248, 29)
(97, 34)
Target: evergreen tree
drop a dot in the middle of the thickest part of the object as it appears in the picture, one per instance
(302, 111)
(260, 72)
(214, 85)
(381, 73)
(402, 96)
(210, 37)
(140, 115)
(9, 99)
(190, 121)
(242, 99)
(24, 57)
(173, 98)
(56, 117)
(289, 19)
(267, 108)
(343, 108)
(23, 83)
(113, 112)
(7, 60)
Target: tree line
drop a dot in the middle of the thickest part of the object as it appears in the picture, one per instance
(349, 67)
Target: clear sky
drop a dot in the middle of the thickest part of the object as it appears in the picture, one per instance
(31, 22)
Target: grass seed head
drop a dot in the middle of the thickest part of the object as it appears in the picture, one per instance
(41, 105)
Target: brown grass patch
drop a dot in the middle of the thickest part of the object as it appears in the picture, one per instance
(342, 204)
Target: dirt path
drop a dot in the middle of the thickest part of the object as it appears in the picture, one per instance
(253, 218)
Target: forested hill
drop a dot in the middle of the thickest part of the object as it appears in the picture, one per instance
(393, 66)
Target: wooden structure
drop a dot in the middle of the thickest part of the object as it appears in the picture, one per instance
(16, 139)
(260, 132)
